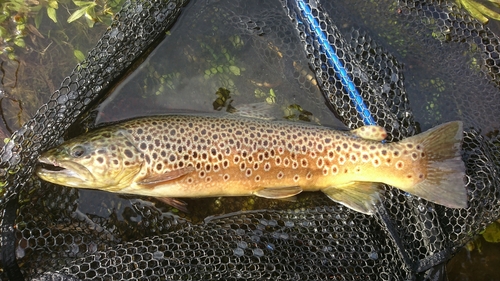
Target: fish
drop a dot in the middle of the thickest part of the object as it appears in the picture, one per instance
(183, 156)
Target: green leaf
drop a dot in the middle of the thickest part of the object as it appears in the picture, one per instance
(235, 70)
(51, 12)
(38, 20)
(87, 4)
(79, 55)
(20, 42)
(3, 32)
(90, 22)
(3, 17)
(77, 14)
(492, 233)
(53, 4)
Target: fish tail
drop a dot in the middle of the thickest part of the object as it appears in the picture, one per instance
(444, 183)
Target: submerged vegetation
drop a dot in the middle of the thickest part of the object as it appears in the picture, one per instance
(482, 9)
(40, 41)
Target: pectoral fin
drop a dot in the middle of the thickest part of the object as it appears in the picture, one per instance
(154, 180)
(278, 192)
(370, 132)
(359, 196)
(176, 203)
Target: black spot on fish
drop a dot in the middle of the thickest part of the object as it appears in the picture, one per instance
(159, 166)
(140, 131)
(171, 158)
(143, 146)
(172, 132)
(356, 146)
(327, 140)
(147, 158)
(128, 153)
(100, 160)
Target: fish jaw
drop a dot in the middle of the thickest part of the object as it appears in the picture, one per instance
(64, 172)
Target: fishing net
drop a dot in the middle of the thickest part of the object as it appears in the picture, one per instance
(412, 65)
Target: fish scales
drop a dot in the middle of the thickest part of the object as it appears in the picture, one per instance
(200, 156)
(252, 154)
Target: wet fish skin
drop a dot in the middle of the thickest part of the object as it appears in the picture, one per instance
(204, 156)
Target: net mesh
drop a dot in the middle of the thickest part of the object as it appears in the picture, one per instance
(450, 72)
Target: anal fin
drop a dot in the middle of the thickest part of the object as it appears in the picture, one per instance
(278, 192)
(359, 196)
(154, 180)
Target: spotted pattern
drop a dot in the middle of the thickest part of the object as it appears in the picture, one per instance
(236, 155)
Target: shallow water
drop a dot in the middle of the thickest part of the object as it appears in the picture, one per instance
(185, 73)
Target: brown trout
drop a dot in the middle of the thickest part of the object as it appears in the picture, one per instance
(204, 156)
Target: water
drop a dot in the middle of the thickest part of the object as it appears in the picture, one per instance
(185, 73)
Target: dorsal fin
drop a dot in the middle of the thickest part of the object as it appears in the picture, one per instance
(259, 110)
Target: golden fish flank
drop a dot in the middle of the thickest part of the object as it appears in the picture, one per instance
(201, 156)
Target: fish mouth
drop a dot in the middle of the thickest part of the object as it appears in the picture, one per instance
(63, 172)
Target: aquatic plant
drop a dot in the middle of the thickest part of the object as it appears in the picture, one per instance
(481, 11)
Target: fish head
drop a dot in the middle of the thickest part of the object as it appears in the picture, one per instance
(103, 159)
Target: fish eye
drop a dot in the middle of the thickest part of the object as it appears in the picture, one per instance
(77, 151)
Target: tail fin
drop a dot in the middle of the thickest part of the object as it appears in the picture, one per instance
(445, 181)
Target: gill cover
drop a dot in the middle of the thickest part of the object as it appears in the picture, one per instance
(104, 159)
